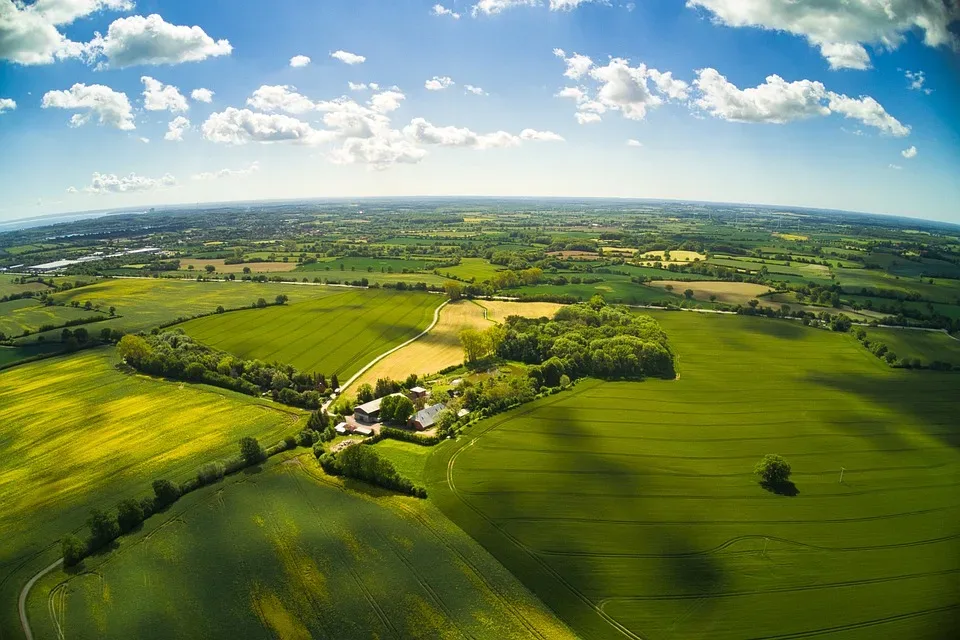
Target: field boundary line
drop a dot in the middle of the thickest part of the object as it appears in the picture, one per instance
(22, 602)
(369, 365)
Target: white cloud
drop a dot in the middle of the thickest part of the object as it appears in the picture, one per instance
(634, 143)
(358, 86)
(438, 83)
(153, 41)
(144, 140)
(423, 132)
(348, 58)
(440, 10)
(103, 183)
(176, 128)
(280, 98)
(577, 93)
(778, 101)
(577, 65)
(570, 5)
(72, 190)
(909, 153)
(7, 104)
(587, 118)
(227, 173)
(202, 95)
(299, 61)
(111, 107)
(540, 136)
(917, 78)
(493, 7)
(162, 97)
(387, 101)
(668, 85)
(840, 29)
(477, 91)
(894, 166)
(624, 88)
(380, 152)
(240, 126)
(29, 33)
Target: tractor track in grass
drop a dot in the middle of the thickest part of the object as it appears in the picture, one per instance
(858, 625)
(757, 592)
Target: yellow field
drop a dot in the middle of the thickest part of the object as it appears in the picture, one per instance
(78, 433)
(729, 292)
(200, 265)
(435, 351)
(791, 236)
(675, 256)
(500, 310)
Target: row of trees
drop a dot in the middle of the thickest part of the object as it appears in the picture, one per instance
(364, 463)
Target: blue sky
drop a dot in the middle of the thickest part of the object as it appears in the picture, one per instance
(842, 126)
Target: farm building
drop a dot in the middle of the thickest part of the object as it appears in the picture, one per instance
(369, 412)
(341, 428)
(363, 431)
(426, 417)
(417, 392)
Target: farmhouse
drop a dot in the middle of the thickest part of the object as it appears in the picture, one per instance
(369, 412)
(426, 417)
(417, 393)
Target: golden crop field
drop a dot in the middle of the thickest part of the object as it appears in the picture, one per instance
(729, 292)
(675, 256)
(439, 349)
(500, 310)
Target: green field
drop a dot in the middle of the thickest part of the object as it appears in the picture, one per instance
(75, 433)
(349, 267)
(7, 286)
(942, 290)
(147, 302)
(614, 288)
(631, 509)
(336, 334)
(926, 346)
(409, 458)
(476, 269)
(27, 314)
(286, 553)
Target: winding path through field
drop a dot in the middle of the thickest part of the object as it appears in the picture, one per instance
(22, 604)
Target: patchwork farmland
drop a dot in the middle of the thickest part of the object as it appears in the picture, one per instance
(631, 508)
(338, 333)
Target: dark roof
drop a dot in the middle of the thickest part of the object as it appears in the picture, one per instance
(428, 415)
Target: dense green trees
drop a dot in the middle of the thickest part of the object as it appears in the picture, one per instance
(103, 528)
(73, 549)
(251, 451)
(364, 393)
(165, 493)
(130, 513)
(396, 409)
(363, 463)
(773, 470)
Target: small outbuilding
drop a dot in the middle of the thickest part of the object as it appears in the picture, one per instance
(341, 428)
(363, 431)
(417, 392)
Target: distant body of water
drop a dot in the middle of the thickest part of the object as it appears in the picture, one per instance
(46, 221)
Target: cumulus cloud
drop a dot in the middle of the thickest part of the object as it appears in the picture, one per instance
(7, 104)
(477, 91)
(440, 10)
(916, 80)
(240, 126)
(577, 65)
(424, 132)
(110, 107)
(634, 143)
(202, 95)
(668, 85)
(909, 153)
(840, 29)
(540, 136)
(153, 41)
(493, 7)
(104, 183)
(282, 97)
(30, 34)
(299, 61)
(176, 128)
(778, 101)
(227, 173)
(438, 83)
(162, 97)
(348, 58)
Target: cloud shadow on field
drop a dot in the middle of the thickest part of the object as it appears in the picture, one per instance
(786, 329)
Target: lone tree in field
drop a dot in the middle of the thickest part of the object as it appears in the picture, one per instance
(73, 549)
(773, 470)
(251, 451)
(453, 290)
(688, 294)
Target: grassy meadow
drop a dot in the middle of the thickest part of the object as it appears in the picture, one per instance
(630, 508)
(338, 333)
(926, 346)
(476, 269)
(76, 433)
(287, 553)
(27, 314)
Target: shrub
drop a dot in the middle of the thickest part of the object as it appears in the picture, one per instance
(103, 528)
(73, 549)
(166, 492)
(290, 442)
(773, 470)
(210, 472)
(129, 514)
(251, 451)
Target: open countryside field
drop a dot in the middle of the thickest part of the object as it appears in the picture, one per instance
(926, 346)
(27, 314)
(77, 434)
(335, 334)
(729, 292)
(148, 302)
(476, 269)
(286, 553)
(631, 508)
(437, 350)
(8, 287)
(500, 310)
(199, 265)
(409, 458)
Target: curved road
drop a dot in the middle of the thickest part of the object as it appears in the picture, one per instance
(22, 604)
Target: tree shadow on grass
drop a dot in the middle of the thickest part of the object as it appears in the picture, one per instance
(781, 488)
